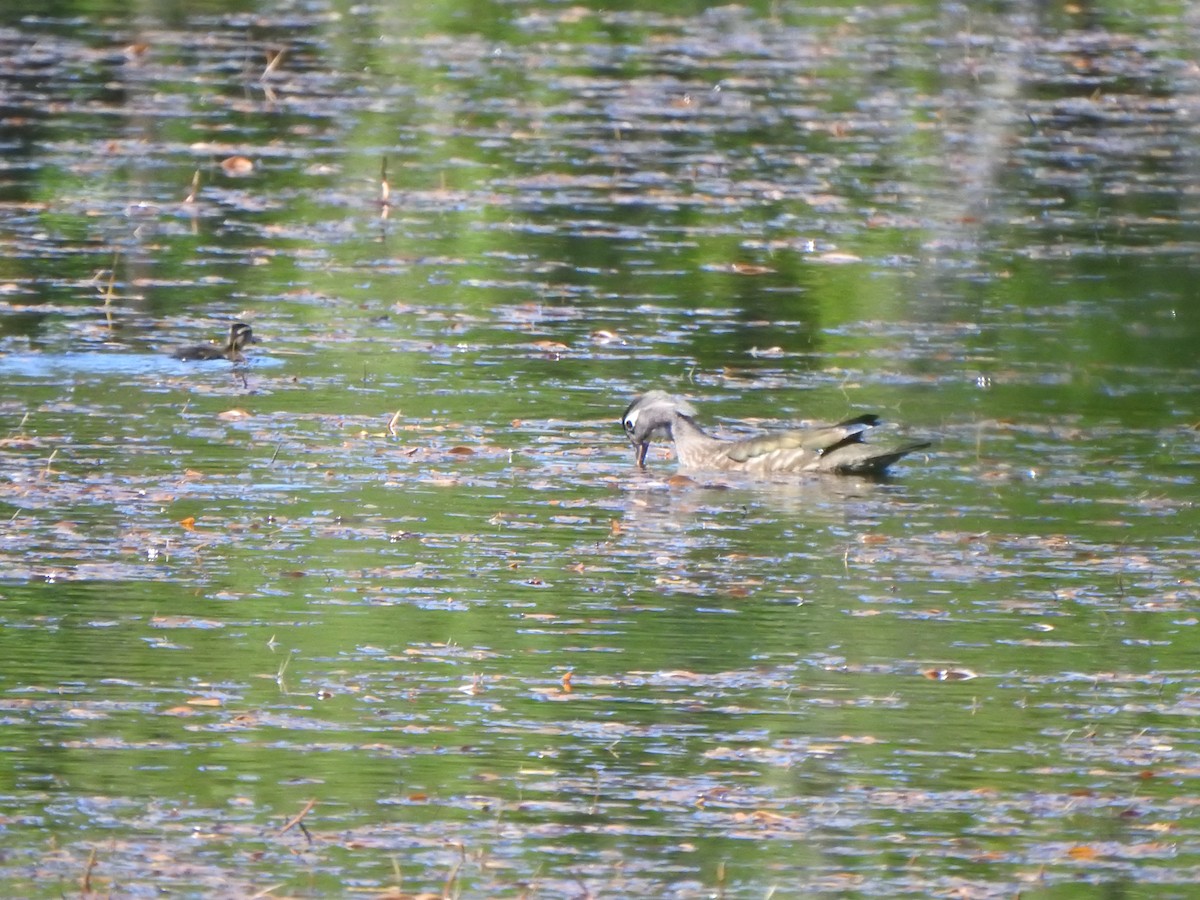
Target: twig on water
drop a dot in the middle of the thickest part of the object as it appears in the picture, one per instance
(274, 59)
(86, 883)
(298, 818)
(108, 294)
(191, 197)
(385, 190)
(452, 877)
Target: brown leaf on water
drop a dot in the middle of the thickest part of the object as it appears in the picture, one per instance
(460, 450)
(20, 442)
(204, 701)
(767, 817)
(1083, 852)
(680, 481)
(180, 711)
(739, 268)
(233, 415)
(188, 524)
(949, 674)
(551, 346)
(237, 165)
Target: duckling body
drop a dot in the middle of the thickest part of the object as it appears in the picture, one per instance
(240, 334)
(835, 449)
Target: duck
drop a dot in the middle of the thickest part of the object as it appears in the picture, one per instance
(834, 449)
(240, 334)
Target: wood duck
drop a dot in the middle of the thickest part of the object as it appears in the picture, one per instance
(240, 335)
(837, 449)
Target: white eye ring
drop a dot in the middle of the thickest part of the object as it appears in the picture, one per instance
(630, 421)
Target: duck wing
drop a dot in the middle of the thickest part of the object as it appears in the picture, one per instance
(803, 444)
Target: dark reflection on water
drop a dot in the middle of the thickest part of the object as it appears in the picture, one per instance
(402, 563)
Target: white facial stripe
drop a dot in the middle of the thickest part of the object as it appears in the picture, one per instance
(631, 420)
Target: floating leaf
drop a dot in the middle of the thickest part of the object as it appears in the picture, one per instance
(834, 258)
(949, 674)
(237, 165)
(749, 269)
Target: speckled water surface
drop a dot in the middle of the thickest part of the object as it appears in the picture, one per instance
(389, 610)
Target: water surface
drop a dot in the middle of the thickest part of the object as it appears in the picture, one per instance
(401, 564)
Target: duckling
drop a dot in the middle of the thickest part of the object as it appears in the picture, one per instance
(240, 335)
(835, 449)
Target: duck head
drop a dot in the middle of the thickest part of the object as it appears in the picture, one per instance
(652, 415)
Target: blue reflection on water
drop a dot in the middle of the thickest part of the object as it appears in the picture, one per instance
(53, 365)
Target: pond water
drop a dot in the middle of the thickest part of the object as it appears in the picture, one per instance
(390, 611)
